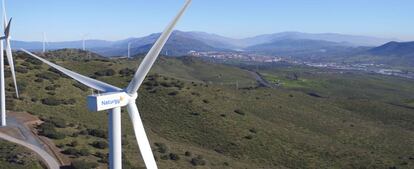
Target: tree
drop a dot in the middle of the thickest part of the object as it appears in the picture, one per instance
(100, 144)
(83, 164)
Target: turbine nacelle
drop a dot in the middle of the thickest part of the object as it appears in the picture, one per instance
(107, 101)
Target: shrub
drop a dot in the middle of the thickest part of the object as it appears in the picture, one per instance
(26, 64)
(100, 144)
(70, 151)
(22, 86)
(174, 157)
(34, 61)
(198, 161)
(253, 130)
(126, 72)
(238, 111)
(162, 148)
(48, 129)
(50, 88)
(51, 101)
(21, 69)
(84, 152)
(69, 102)
(187, 153)
(98, 133)
(195, 114)
(173, 93)
(249, 137)
(106, 72)
(83, 165)
(48, 76)
(58, 122)
(74, 143)
(38, 80)
(34, 99)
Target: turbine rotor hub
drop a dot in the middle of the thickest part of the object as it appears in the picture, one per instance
(133, 97)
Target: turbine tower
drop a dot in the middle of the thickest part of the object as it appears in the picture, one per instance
(6, 39)
(84, 41)
(129, 49)
(45, 42)
(113, 98)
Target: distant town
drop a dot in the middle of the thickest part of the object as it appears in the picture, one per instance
(241, 56)
(251, 57)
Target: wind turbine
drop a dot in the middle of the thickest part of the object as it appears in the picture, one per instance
(45, 42)
(84, 41)
(113, 98)
(129, 49)
(9, 54)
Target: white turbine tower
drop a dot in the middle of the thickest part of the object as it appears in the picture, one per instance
(84, 41)
(45, 42)
(9, 54)
(129, 49)
(113, 98)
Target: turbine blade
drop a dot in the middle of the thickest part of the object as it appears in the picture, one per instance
(141, 136)
(152, 55)
(11, 64)
(92, 83)
(7, 28)
(4, 14)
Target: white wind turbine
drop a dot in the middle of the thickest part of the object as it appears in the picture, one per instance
(113, 98)
(84, 41)
(45, 42)
(129, 50)
(9, 54)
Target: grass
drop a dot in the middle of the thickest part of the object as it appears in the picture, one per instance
(360, 120)
(16, 157)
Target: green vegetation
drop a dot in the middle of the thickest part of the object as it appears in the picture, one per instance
(16, 157)
(316, 118)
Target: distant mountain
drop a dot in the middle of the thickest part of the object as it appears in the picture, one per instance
(183, 42)
(392, 53)
(394, 49)
(303, 48)
(331, 37)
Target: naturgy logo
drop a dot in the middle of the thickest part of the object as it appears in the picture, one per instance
(113, 101)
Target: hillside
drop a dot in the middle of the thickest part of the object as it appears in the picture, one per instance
(397, 54)
(193, 110)
(394, 49)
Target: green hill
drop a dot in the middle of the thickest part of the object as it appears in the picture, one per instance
(197, 118)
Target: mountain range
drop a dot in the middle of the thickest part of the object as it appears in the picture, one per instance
(181, 43)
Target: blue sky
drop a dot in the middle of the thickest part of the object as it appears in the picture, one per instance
(118, 19)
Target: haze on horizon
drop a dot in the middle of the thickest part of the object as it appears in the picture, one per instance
(115, 20)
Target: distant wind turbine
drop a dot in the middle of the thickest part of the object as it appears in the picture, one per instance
(84, 41)
(113, 98)
(6, 39)
(129, 49)
(45, 42)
